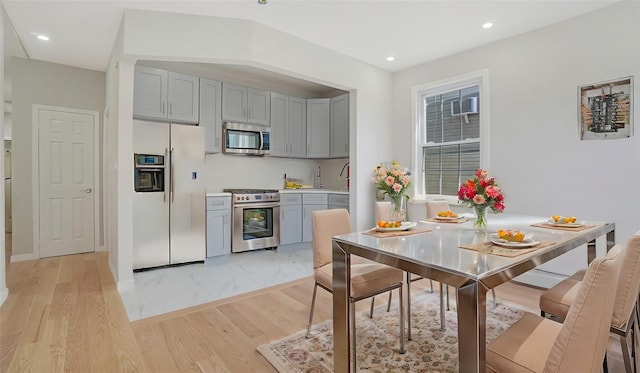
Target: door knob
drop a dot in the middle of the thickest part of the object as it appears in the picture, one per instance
(88, 190)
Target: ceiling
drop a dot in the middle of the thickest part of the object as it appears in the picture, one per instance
(82, 33)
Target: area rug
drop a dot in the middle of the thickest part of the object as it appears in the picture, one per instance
(430, 350)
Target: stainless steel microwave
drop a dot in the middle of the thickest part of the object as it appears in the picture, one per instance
(241, 138)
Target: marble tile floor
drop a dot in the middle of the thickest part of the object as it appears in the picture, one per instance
(167, 289)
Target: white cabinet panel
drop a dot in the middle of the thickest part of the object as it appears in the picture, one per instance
(164, 95)
(218, 226)
(211, 114)
(340, 126)
(318, 115)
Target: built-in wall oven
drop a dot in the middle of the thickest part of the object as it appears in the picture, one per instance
(148, 173)
(256, 219)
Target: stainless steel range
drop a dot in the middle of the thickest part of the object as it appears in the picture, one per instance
(256, 219)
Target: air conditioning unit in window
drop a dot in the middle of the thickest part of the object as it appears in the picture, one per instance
(467, 105)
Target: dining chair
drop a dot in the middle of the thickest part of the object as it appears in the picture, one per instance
(556, 301)
(368, 278)
(537, 344)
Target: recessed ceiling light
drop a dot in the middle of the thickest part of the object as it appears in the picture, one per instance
(487, 25)
(43, 37)
(262, 2)
(390, 58)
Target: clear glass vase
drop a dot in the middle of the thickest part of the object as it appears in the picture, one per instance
(480, 224)
(398, 207)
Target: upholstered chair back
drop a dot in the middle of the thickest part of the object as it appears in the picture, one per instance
(582, 342)
(383, 210)
(326, 224)
(433, 207)
(628, 283)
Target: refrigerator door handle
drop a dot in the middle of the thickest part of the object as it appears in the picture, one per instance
(164, 193)
(171, 175)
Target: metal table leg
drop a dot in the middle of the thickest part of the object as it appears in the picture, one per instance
(472, 315)
(341, 289)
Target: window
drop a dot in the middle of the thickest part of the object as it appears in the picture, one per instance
(449, 134)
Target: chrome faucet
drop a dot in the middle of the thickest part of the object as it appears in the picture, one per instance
(346, 166)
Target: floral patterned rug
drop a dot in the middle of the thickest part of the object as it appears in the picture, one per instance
(430, 350)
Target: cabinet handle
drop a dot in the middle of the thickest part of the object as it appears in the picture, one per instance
(162, 109)
(170, 107)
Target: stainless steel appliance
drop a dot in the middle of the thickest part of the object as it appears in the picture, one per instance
(169, 194)
(241, 138)
(256, 219)
(148, 173)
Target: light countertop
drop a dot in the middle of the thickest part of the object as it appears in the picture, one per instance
(310, 190)
(219, 194)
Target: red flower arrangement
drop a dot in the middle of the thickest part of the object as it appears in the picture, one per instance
(482, 191)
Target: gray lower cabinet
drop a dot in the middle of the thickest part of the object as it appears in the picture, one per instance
(338, 201)
(290, 218)
(311, 202)
(218, 226)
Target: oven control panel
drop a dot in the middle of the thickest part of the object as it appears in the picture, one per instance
(256, 197)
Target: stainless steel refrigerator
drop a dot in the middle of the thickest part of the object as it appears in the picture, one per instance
(169, 194)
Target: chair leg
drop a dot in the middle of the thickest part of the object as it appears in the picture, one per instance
(605, 366)
(352, 321)
(442, 311)
(373, 300)
(401, 305)
(431, 284)
(447, 291)
(389, 302)
(626, 356)
(495, 301)
(313, 305)
(408, 306)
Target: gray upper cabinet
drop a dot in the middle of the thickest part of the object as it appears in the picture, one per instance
(288, 126)
(164, 95)
(210, 114)
(247, 105)
(340, 126)
(318, 116)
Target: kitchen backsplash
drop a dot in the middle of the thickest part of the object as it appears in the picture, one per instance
(232, 171)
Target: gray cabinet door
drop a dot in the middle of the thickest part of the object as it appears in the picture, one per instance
(318, 117)
(150, 93)
(340, 126)
(279, 124)
(218, 232)
(290, 224)
(234, 102)
(259, 106)
(307, 215)
(183, 93)
(297, 128)
(210, 114)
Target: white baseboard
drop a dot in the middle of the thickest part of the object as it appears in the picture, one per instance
(539, 278)
(4, 293)
(22, 257)
(122, 285)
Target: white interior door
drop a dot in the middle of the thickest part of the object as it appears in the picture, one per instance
(66, 182)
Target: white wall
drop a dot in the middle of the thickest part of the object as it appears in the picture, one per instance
(536, 154)
(4, 291)
(37, 82)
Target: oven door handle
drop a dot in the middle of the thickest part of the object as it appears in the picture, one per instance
(258, 205)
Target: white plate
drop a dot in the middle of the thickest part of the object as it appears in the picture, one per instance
(448, 218)
(568, 225)
(527, 242)
(403, 227)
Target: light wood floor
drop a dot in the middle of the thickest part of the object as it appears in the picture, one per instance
(65, 314)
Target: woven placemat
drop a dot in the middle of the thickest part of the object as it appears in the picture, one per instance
(457, 221)
(414, 230)
(493, 249)
(551, 226)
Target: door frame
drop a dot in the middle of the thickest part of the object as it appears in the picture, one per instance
(35, 174)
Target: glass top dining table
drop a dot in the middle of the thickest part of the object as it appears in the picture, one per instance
(437, 255)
